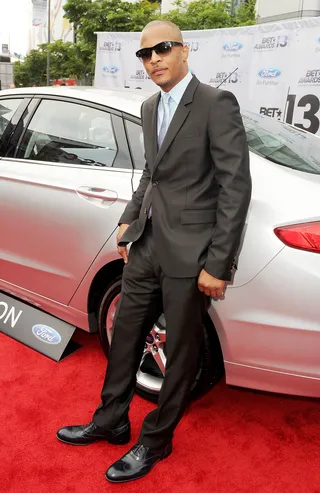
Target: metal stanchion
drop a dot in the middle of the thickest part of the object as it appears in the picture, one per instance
(48, 53)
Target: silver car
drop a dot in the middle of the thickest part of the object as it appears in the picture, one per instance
(70, 159)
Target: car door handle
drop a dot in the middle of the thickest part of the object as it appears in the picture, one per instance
(98, 193)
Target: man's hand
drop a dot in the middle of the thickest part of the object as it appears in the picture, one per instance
(122, 250)
(210, 285)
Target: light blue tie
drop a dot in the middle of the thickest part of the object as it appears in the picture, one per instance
(166, 101)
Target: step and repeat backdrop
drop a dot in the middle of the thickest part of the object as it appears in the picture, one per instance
(277, 67)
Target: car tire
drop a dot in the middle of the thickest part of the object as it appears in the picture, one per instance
(149, 377)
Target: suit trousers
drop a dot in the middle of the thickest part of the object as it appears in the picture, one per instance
(146, 293)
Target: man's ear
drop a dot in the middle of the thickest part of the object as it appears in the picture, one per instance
(185, 51)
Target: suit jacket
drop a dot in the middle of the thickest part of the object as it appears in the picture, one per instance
(198, 183)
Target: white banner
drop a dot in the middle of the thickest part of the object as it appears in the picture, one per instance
(39, 13)
(60, 28)
(276, 66)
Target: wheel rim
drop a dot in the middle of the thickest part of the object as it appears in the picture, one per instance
(154, 356)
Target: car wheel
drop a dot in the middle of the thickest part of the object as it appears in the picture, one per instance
(152, 366)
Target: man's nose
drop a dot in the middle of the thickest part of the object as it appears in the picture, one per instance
(154, 57)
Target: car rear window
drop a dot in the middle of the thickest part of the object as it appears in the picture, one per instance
(281, 143)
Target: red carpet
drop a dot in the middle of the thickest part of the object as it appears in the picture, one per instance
(231, 441)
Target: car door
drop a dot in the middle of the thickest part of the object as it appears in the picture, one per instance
(62, 192)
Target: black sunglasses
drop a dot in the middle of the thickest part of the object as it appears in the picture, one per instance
(162, 49)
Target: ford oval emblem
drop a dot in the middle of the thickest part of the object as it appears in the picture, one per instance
(46, 334)
(110, 69)
(269, 73)
(235, 46)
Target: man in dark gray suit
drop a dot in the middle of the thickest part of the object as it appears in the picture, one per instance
(184, 222)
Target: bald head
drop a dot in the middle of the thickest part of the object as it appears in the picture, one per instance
(166, 30)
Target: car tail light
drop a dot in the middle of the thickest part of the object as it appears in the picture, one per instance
(302, 236)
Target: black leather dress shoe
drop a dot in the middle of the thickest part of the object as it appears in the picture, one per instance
(137, 463)
(86, 434)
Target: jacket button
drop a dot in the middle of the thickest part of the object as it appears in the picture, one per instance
(155, 183)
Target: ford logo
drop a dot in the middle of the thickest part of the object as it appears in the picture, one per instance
(269, 73)
(111, 70)
(236, 46)
(46, 334)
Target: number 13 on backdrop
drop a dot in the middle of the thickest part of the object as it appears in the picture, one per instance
(303, 109)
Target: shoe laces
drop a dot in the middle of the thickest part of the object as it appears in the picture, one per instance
(140, 450)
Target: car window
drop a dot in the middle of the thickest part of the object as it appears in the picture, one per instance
(63, 132)
(7, 110)
(135, 137)
(282, 144)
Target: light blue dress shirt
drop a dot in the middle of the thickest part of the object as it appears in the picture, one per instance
(176, 95)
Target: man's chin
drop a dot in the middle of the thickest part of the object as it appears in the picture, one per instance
(161, 81)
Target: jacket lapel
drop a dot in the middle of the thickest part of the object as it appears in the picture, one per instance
(150, 129)
(177, 121)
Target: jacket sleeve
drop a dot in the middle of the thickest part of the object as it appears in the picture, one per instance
(132, 210)
(230, 155)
